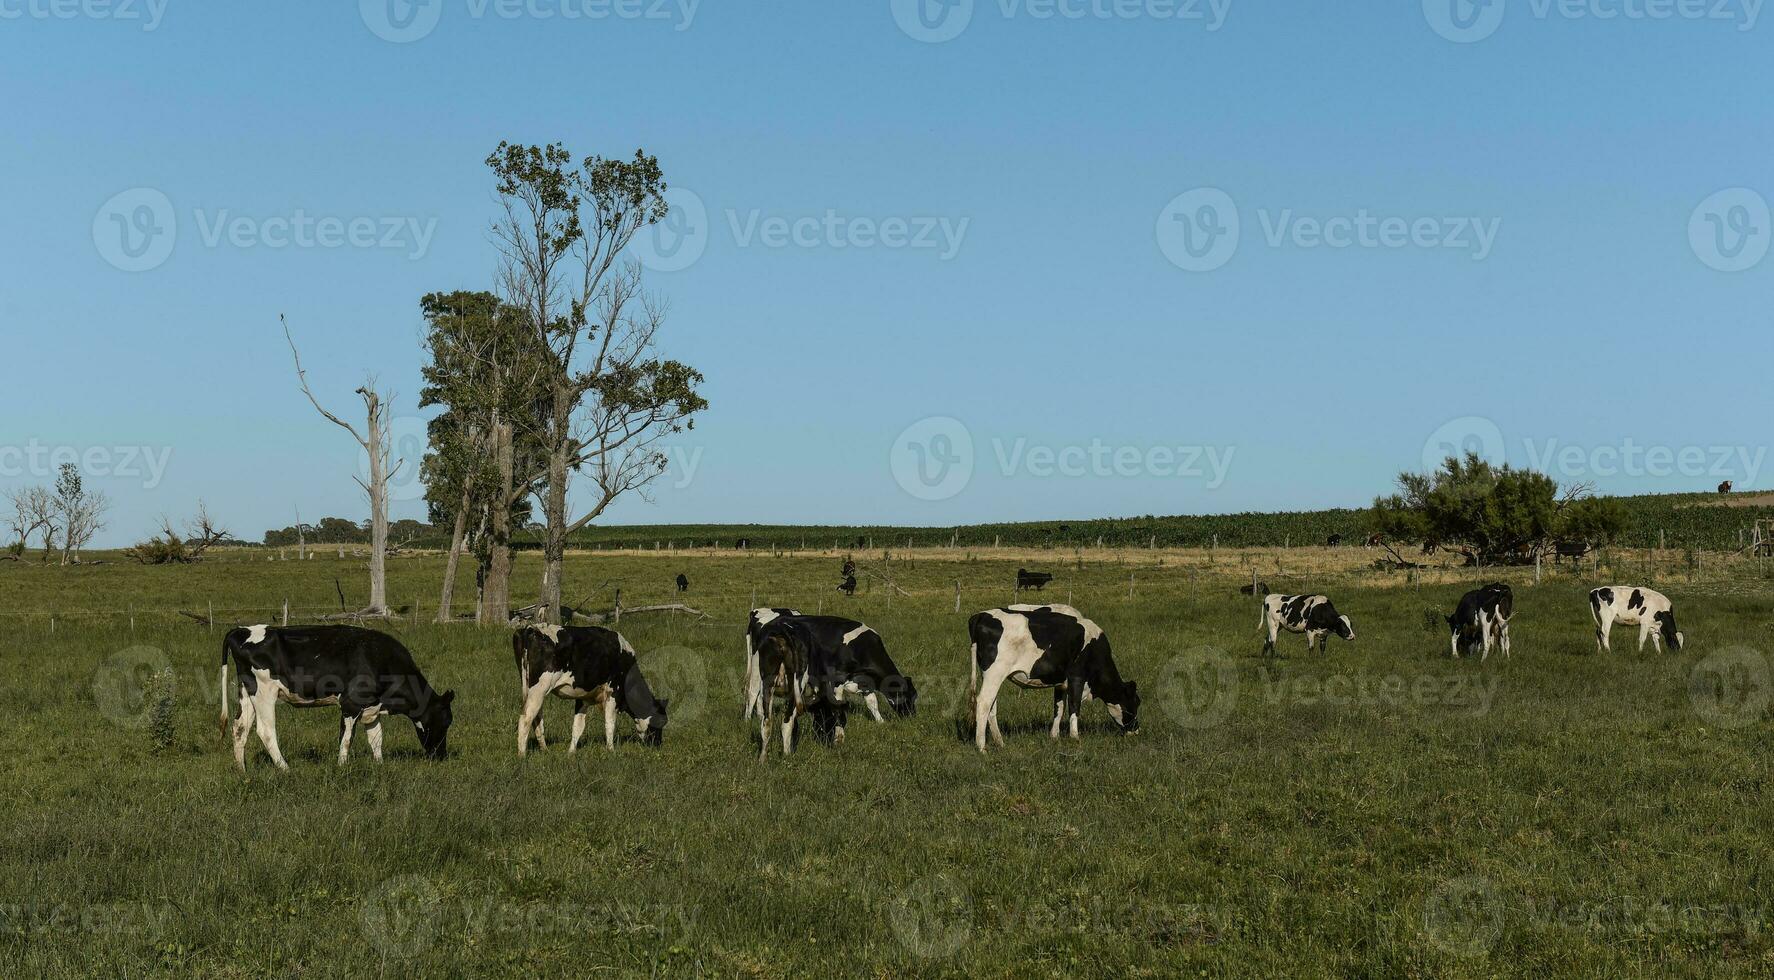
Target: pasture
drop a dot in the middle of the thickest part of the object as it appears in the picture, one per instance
(1379, 811)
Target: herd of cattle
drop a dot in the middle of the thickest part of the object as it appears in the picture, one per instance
(813, 665)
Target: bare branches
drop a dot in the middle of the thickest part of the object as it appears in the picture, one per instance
(302, 379)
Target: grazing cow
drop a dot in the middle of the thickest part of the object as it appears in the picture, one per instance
(365, 673)
(683, 583)
(586, 665)
(743, 544)
(1334, 541)
(848, 586)
(1261, 588)
(1630, 605)
(853, 661)
(788, 654)
(1051, 646)
(1026, 579)
(754, 627)
(1482, 617)
(1375, 540)
(1312, 615)
(1725, 487)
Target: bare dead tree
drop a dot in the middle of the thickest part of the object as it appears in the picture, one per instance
(374, 441)
(170, 547)
(33, 511)
(81, 512)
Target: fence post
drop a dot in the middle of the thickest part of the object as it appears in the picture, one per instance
(618, 617)
(212, 615)
(957, 595)
(286, 612)
(1130, 586)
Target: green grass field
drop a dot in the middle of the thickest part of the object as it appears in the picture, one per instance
(1380, 811)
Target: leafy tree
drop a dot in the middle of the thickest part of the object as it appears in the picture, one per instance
(608, 398)
(1485, 512)
(1596, 520)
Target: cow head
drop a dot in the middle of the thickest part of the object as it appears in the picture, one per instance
(902, 694)
(1126, 710)
(1666, 626)
(638, 702)
(1344, 628)
(433, 725)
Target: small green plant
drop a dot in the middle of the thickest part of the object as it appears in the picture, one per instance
(161, 699)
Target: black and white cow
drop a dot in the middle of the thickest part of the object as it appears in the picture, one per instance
(801, 672)
(854, 662)
(587, 665)
(1312, 615)
(1051, 646)
(754, 627)
(1630, 605)
(1482, 618)
(367, 674)
(848, 586)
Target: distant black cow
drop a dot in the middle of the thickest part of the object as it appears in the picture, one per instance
(1334, 541)
(366, 674)
(1725, 487)
(1482, 618)
(849, 568)
(1312, 615)
(683, 583)
(754, 628)
(848, 586)
(1261, 588)
(587, 665)
(1026, 579)
(1574, 550)
(742, 544)
(1052, 646)
(1375, 540)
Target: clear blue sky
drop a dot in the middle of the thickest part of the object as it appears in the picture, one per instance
(1054, 146)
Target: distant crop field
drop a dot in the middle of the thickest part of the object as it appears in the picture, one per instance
(1382, 810)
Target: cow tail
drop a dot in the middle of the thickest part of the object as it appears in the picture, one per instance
(224, 689)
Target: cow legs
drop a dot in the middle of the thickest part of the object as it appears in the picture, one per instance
(1059, 712)
(754, 681)
(372, 733)
(764, 709)
(1454, 643)
(794, 715)
(1604, 624)
(985, 710)
(1648, 630)
(578, 725)
(347, 725)
(530, 717)
(1074, 702)
(873, 701)
(1503, 637)
(1484, 634)
(242, 726)
(265, 716)
(1269, 644)
(610, 722)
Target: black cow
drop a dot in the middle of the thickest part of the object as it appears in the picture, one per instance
(1334, 541)
(848, 586)
(1261, 588)
(1725, 487)
(1482, 617)
(1574, 550)
(366, 673)
(1026, 579)
(1312, 615)
(587, 665)
(754, 628)
(1052, 646)
(683, 583)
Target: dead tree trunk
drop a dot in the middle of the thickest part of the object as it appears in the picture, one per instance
(454, 559)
